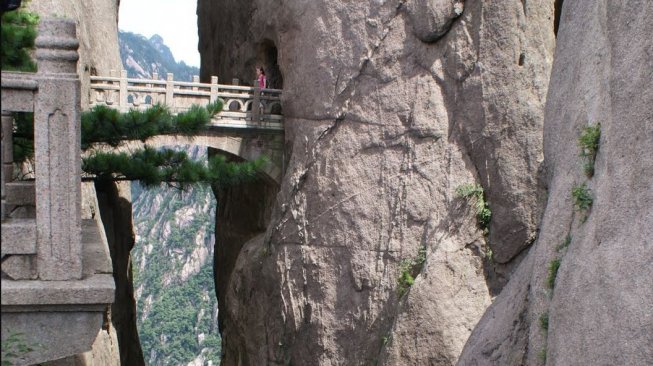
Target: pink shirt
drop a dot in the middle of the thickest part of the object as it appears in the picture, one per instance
(261, 81)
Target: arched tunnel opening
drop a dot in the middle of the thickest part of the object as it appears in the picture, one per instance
(266, 53)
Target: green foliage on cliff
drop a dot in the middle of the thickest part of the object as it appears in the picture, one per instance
(147, 165)
(177, 317)
(475, 192)
(18, 36)
(582, 197)
(544, 322)
(553, 273)
(589, 146)
(408, 269)
(23, 136)
(175, 313)
(13, 348)
(149, 55)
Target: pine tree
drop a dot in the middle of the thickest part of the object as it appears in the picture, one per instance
(103, 125)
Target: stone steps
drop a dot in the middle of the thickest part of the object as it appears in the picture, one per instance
(18, 236)
(20, 193)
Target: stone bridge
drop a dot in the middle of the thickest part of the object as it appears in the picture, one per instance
(57, 277)
(250, 124)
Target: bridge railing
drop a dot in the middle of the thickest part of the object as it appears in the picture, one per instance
(240, 102)
(56, 270)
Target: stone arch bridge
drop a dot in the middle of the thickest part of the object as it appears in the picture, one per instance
(249, 126)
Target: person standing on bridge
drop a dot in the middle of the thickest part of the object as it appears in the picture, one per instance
(260, 76)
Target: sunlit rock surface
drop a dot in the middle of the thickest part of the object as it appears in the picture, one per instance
(383, 123)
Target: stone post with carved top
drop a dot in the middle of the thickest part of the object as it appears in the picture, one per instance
(57, 152)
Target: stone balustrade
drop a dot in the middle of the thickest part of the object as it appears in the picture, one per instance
(56, 271)
(243, 106)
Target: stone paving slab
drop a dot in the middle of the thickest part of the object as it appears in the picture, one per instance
(97, 289)
(18, 236)
(20, 193)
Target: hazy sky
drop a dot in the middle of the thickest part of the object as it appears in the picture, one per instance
(174, 20)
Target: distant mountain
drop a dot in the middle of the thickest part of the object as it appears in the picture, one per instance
(172, 267)
(141, 57)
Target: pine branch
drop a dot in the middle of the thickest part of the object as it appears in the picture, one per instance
(17, 38)
(153, 167)
(106, 125)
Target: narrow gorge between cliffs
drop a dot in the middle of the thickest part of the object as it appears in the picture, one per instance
(172, 266)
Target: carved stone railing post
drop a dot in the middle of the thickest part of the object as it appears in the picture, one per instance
(123, 94)
(170, 89)
(7, 167)
(57, 152)
(196, 79)
(256, 104)
(214, 89)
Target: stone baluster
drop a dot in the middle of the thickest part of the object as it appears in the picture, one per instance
(7, 156)
(155, 96)
(111, 94)
(256, 104)
(124, 107)
(214, 89)
(170, 91)
(57, 152)
(196, 79)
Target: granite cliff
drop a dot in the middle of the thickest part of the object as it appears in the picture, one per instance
(365, 253)
(595, 308)
(389, 107)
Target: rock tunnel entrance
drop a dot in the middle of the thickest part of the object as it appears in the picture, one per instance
(267, 54)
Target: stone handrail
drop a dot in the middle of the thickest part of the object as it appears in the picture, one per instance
(239, 102)
(53, 94)
(56, 271)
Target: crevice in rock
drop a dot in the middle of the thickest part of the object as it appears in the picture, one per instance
(116, 214)
(243, 212)
(557, 13)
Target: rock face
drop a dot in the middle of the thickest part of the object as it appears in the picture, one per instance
(97, 31)
(599, 310)
(116, 212)
(389, 107)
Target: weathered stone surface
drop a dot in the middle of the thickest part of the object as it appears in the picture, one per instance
(19, 267)
(97, 289)
(20, 193)
(381, 128)
(432, 18)
(600, 309)
(42, 332)
(97, 31)
(56, 152)
(105, 349)
(19, 236)
(116, 214)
